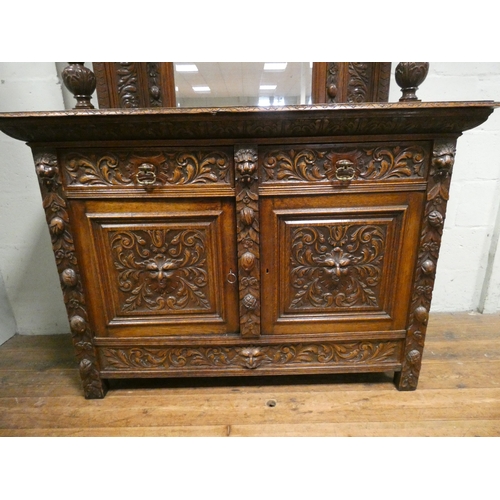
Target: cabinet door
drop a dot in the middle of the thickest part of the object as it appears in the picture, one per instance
(338, 263)
(158, 267)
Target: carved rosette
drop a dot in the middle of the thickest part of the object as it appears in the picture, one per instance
(430, 241)
(315, 164)
(56, 212)
(181, 167)
(247, 209)
(186, 358)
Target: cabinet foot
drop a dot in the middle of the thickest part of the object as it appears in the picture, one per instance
(405, 382)
(97, 389)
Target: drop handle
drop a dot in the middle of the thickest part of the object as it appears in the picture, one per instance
(345, 170)
(146, 175)
(231, 277)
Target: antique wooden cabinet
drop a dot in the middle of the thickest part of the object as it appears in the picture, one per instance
(247, 241)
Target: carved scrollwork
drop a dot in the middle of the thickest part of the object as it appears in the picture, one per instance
(249, 357)
(56, 212)
(247, 208)
(127, 84)
(359, 79)
(169, 168)
(337, 266)
(316, 164)
(430, 241)
(161, 269)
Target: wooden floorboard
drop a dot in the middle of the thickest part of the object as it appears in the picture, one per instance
(458, 395)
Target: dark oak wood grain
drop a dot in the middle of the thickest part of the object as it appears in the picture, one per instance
(247, 241)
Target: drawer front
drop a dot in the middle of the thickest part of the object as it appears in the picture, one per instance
(321, 167)
(341, 263)
(150, 171)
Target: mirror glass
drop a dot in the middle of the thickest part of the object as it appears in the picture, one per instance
(211, 84)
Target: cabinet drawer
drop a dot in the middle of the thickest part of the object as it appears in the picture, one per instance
(354, 166)
(201, 171)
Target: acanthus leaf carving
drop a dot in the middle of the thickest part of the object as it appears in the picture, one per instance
(184, 358)
(161, 269)
(316, 164)
(170, 167)
(336, 266)
(127, 84)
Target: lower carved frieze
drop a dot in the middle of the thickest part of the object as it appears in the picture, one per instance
(251, 357)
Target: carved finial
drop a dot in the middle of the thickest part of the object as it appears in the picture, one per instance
(409, 75)
(81, 82)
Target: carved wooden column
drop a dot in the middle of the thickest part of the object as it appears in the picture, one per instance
(438, 186)
(337, 82)
(55, 205)
(247, 210)
(135, 84)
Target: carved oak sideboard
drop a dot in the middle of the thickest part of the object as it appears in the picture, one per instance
(247, 241)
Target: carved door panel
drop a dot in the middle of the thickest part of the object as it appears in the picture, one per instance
(338, 263)
(161, 266)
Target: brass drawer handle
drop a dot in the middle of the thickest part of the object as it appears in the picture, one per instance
(146, 175)
(345, 170)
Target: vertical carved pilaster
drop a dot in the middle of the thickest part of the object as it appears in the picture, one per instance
(358, 82)
(55, 205)
(247, 209)
(128, 84)
(425, 273)
(154, 87)
(332, 81)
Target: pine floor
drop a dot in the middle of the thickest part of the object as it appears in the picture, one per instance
(458, 395)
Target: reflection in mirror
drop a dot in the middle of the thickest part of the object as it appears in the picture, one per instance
(202, 84)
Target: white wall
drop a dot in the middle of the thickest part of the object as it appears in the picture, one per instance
(468, 275)
(469, 233)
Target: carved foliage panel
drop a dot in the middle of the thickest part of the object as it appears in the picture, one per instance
(370, 162)
(336, 266)
(161, 269)
(56, 210)
(252, 357)
(357, 82)
(151, 168)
